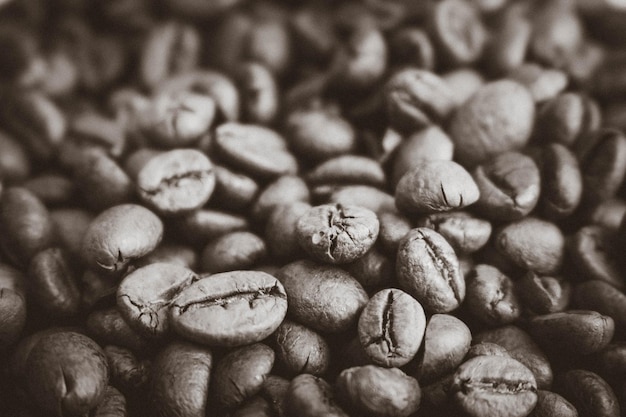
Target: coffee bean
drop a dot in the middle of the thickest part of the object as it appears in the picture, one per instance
(373, 270)
(576, 332)
(67, 374)
(561, 187)
(428, 269)
(259, 92)
(348, 169)
(550, 404)
(233, 251)
(490, 296)
(605, 299)
(113, 404)
(543, 83)
(180, 380)
(229, 309)
(240, 374)
(589, 393)
(280, 230)
(365, 196)
(391, 328)
(51, 189)
(120, 234)
(506, 50)
(15, 164)
(204, 225)
(12, 305)
(509, 186)
(109, 327)
(412, 47)
(322, 297)
(300, 349)
(486, 349)
(610, 362)
(393, 227)
(542, 295)
(337, 234)
(446, 342)
(378, 391)
(310, 396)
(285, 189)
(476, 141)
(182, 255)
(494, 386)
(436, 186)
(145, 295)
(464, 232)
(126, 370)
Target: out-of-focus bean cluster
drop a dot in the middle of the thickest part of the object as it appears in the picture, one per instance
(383, 208)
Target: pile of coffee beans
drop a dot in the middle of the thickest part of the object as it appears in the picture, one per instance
(348, 208)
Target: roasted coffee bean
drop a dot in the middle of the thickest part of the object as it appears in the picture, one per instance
(233, 190)
(109, 327)
(436, 186)
(204, 225)
(391, 328)
(70, 225)
(605, 299)
(126, 370)
(120, 234)
(53, 283)
(464, 232)
(490, 296)
(507, 49)
(411, 46)
(589, 393)
(561, 182)
(494, 386)
(229, 309)
(348, 169)
(254, 149)
(182, 255)
(322, 297)
(446, 342)
(610, 362)
(280, 230)
(177, 181)
(27, 227)
(12, 305)
(609, 213)
(465, 82)
(378, 391)
(416, 98)
(428, 269)
(180, 380)
(146, 294)
(259, 93)
(373, 270)
(274, 391)
(476, 141)
(532, 244)
(52, 189)
(15, 165)
(285, 189)
(576, 332)
(542, 295)
(486, 349)
(240, 374)
(113, 404)
(300, 349)
(67, 374)
(393, 227)
(543, 83)
(365, 196)
(233, 251)
(310, 396)
(509, 186)
(337, 234)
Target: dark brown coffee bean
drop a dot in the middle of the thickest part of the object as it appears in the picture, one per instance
(204, 225)
(233, 190)
(51, 189)
(550, 404)
(67, 374)
(364, 196)
(170, 253)
(591, 253)
(435, 186)
(509, 184)
(393, 227)
(446, 342)
(126, 370)
(532, 244)
(348, 169)
(464, 232)
(27, 227)
(301, 350)
(285, 189)
(254, 149)
(411, 46)
(109, 327)
(170, 48)
(180, 380)
(610, 362)
(233, 251)
(113, 404)
(240, 374)
(561, 182)
(310, 396)
(280, 230)
(337, 234)
(457, 32)
(589, 393)
(604, 298)
(494, 386)
(12, 305)
(373, 270)
(428, 269)
(507, 48)
(476, 141)
(274, 391)
(120, 234)
(391, 328)
(577, 332)
(486, 349)
(416, 98)
(322, 297)
(229, 309)
(70, 225)
(490, 296)
(378, 391)
(542, 295)
(259, 93)
(145, 295)
(53, 283)
(521, 347)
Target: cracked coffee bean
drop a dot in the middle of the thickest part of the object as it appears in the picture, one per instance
(301, 350)
(391, 328)
(428, 269)
(145, 295)
(229, 309)
(120, 234)
(491, 296)
(337, 234)
(177, 181)
(492, 386)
